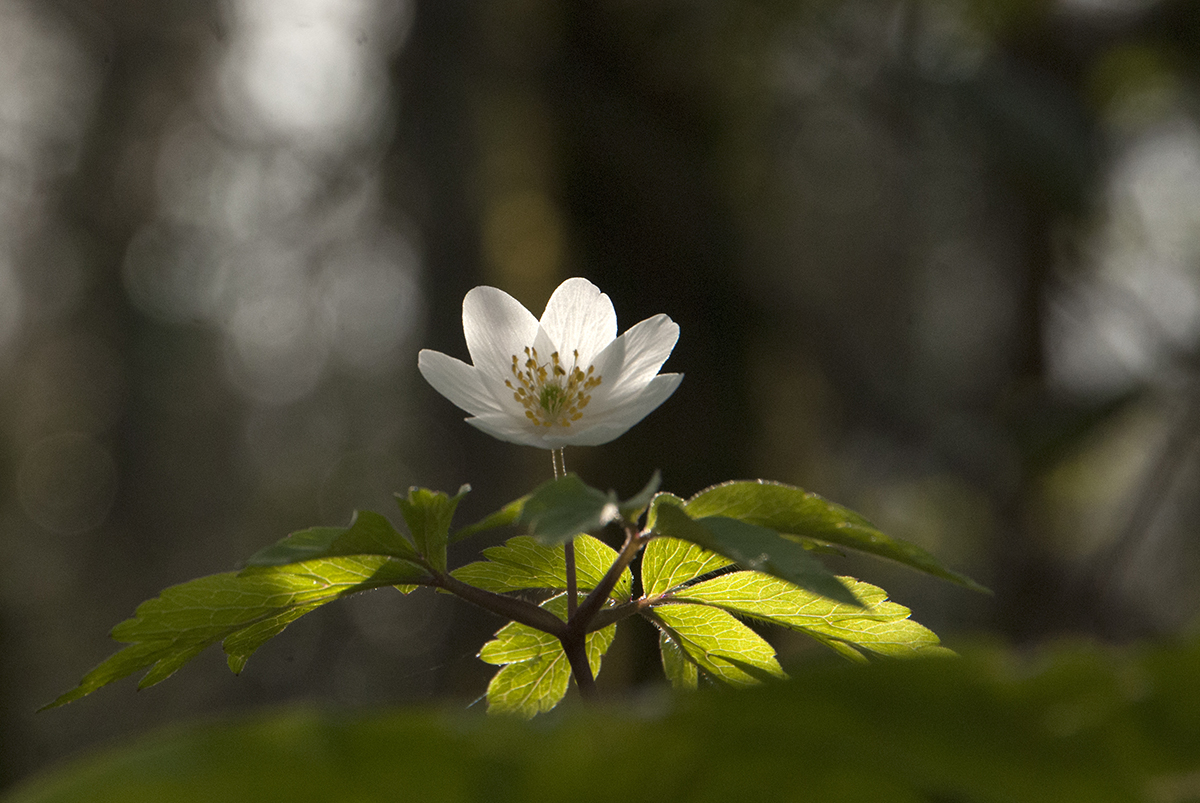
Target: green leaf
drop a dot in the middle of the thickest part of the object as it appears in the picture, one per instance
(368, 534)
(718, 643)
(660, 499)
(524, 563)
(501, 518)
(534, 672)
(241, 609)
(682, 673)
(428, 514)
(881, 627)
(794, 511)
(670, 562)
(632, 508)
(754, 547)
(1083, 723)
(560, 509)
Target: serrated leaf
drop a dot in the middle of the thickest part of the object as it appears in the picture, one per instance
(682, 673)
(241, 645)
(523, 563)
(240, 609)
(532, 687)
(560, 509)
(534, 672)
(670, 562)
(501, 518)
(794, 511)
(427, 514)
(718, 643)
(882, 627)
(368, 534)
(754, 547)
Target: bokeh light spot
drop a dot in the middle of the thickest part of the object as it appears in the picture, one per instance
(67, 482)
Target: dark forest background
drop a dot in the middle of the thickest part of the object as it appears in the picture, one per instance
(938, 261)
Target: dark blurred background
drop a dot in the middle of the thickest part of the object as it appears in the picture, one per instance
(938, 261)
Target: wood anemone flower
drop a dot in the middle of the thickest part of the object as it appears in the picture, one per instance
(564, 380)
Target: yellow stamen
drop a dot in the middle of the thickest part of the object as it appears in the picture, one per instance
(552, 394)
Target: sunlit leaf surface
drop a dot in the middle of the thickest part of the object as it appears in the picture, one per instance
(239, 609)
(718, 643)
(534, 672)
(880, 627)
(522, 562)
(668, 562)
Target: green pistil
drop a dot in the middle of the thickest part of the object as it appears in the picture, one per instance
(552, 394)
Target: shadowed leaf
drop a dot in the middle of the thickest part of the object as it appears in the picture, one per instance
(754, 547)
(428, 514)
(561, 509)
(368, 534)
(791, 510)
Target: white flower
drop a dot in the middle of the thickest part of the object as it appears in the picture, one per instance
(567, 379)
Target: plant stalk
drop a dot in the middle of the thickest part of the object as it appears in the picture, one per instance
(518, 610)
(558, 461)
(595, 600)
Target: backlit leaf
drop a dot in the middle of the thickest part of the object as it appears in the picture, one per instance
(669, 562)
(534, 672)
(718, 643)
(682, 673)
(523, 562)
(663, 498)
(881, 627)
(240, 609)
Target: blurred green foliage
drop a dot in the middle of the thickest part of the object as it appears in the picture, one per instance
(1077, 723)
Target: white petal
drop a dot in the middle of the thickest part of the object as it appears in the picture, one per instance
(457, 381)
(546, 346)
(496, 327)
(645, 347)
(579, 316)
(609, 364)
(506, 427)
(612, 423)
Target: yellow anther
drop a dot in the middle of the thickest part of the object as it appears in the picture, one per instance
(552, 394)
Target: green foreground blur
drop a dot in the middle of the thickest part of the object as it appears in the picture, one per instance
(1077, 723)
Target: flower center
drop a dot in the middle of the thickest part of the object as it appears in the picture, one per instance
(552, 394)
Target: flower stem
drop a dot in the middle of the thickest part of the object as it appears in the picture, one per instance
(560, 470)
